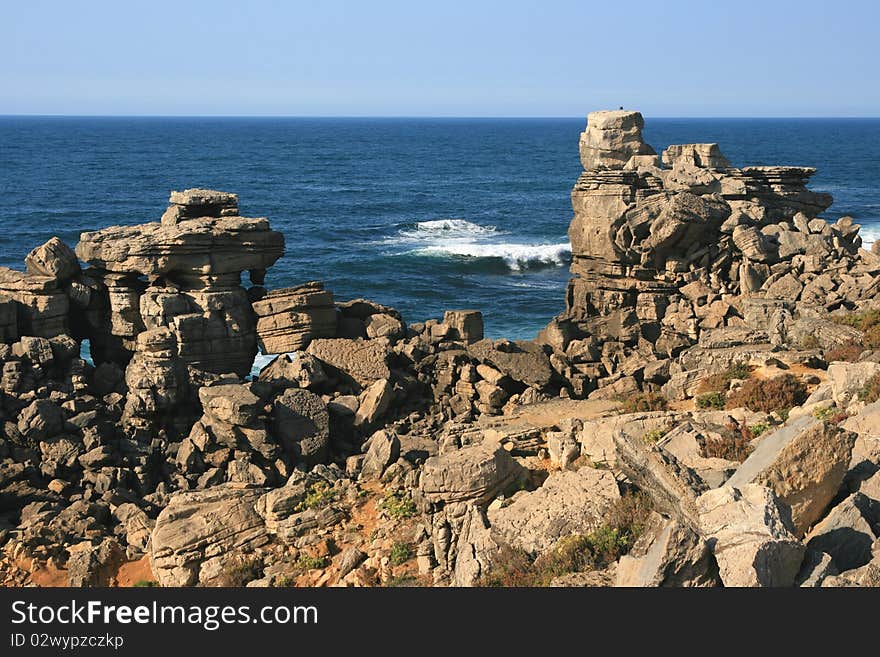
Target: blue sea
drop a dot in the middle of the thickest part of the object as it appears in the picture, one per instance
(421, 214)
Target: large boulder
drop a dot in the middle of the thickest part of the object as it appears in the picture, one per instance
(356, 361)
(199, 525)
(569, 502)
(847, 532)
(750, 535)
(54, 259)
(848, 379)
(668, 554)
(477, 474)
(289, 318)
(611, 138)
(804, 463)
(523, 361)
(301, 422)
(672, 486)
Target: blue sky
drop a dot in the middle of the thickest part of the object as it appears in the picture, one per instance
(449, 58)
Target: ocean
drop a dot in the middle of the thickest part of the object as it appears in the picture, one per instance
(420, 214)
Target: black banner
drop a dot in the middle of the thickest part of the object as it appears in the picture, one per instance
(155, 621)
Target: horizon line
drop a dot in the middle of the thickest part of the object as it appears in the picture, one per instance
(413, 116)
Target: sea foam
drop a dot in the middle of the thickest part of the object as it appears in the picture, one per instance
(517, 256)
(459, 238)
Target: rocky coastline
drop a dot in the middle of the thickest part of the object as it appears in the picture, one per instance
(704, 411)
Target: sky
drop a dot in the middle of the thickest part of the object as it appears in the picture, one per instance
(447, 58)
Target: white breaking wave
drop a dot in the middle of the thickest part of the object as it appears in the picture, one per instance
(517, 256)
(869, 234)
(447, 229)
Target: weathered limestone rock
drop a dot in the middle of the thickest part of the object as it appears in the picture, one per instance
(299, 370)
(199, 525)
(525, 362)
(568, 503)
(662, 256)
(471, 474)
(846, 533)
(848, 379)
(360, 362)
(41, 308)
(289, 318)
(196, 203)
(804, 463)
(382, 449)
(374, 401)
(158, 386)
(94, 565)
(668, 554)
(612, 138)
(286, 513)
(750, 535)
(698, 155)
(301, 422)
(465, 325)
(53, 259)
(672, 487)
(193, 262)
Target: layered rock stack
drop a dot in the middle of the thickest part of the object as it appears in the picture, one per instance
(661, 256)
(289, 318)
(184, 274)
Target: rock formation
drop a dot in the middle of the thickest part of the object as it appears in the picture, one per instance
(184, 274)
(664, 258)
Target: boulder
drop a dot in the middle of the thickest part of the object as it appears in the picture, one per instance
(464, 325)
(569, 502)
(199, 525)
(672, 486)
(289, 318)
(477, 473)
(374, 401)
(298, 370)
(301, 422)
(750, 535)
(848, 379)
(382, 449)
(522, 361)
(668, 554)
(804, 463)
(53, 259)
(847, 532)
(360, 362)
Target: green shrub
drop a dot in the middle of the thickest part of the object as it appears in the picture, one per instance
(308, 562)
(778, 394)
(398, 504)
(318, 494)
(144, 583)
(759, 429)
(646, 401)
(716, 400)
(655, 435)
(400, 553)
